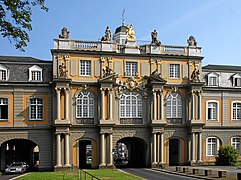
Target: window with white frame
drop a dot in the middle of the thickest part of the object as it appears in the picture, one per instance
(35, 73)
(235, 142)
(212, 146)
(85, 105)
(130, 105)
(174, 106)
(131, 69)
(36, 109)
(3, 109)
(174, 71)
(237, 80)
(3, 73)
(213, 79)
(85, 68)
(236, 110)
(212, 111)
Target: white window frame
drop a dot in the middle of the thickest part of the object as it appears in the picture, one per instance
(237, 80)
(174, 106)
(37, 107)
(213, 79)
(217, 110)
(4, 102)
(236, 110)
(130, 105)
(235, 142)
(85, 67)
(85, 105)
(5, 70)
(131, 69)
(213, 150)
(35, 73)
(174, 71)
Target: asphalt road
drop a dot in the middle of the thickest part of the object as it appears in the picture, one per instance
(155, 175)
(8, 176)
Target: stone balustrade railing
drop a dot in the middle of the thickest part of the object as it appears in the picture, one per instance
(119, 48)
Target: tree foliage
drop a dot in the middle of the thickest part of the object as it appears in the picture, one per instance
(227, 156)
(15, 20)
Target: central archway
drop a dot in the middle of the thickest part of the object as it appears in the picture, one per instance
(130, 152)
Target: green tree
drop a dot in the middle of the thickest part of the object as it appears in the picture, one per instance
(15, 20)
(227, 156)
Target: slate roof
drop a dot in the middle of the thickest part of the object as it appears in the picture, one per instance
(18, 68)
(221, 68)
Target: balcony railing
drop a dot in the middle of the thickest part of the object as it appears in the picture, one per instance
(119, 48)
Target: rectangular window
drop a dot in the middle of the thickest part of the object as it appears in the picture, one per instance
(36, 109)
(3, 75)
(131, 69)
(85, 68)
(236, 111)
(237, 82)
(212, 81)
(3, 109)
(36, 75)
(212, 111)
(174, 71)
(236, 144)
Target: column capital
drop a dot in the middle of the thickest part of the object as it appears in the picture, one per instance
(103, 89)
(57, 89)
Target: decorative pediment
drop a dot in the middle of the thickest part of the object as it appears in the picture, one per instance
(130, 85)
(109, 78)
(155, 78)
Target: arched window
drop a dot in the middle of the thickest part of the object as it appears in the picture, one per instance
(174, 106)
(212, 146)
(85, 105)
(130, 105)
(235, 142)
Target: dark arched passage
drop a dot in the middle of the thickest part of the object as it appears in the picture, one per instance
(130, 152)
(19, 150)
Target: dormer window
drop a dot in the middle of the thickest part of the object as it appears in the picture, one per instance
(3, 73)
(237, 80)
(213, 79)
(35, 73)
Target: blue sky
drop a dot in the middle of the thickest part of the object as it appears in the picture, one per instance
(216, 25)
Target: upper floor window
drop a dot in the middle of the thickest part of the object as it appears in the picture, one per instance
(236, 111)
(131, 69)
(213, 79)
(85, 68)
(36, 109)
(85, 105)
(235, 142)
(212, 146)
(174, 71)
(212, 111)
(35, 73)
(174, 106)
(130, 105)
(3, 109)
(237, 80)
(3, 73)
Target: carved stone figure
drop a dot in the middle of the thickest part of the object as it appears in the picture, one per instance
(154, 39)
(130, 33)
(156, 74)
(62, 70)
(191, 41)
(195, 77)
(64, 33)
(107, 36)
(107, 71)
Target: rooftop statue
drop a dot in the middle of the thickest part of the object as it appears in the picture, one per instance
(154, 39)
(191, 41)
(130, 33)
(107, 36)
(64, 33)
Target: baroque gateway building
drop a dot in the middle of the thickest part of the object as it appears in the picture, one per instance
(113, 102)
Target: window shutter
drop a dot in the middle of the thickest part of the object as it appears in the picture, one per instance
(144, 69)
(73, 67)
(97, 68)
(164, 71)
(118, 68)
